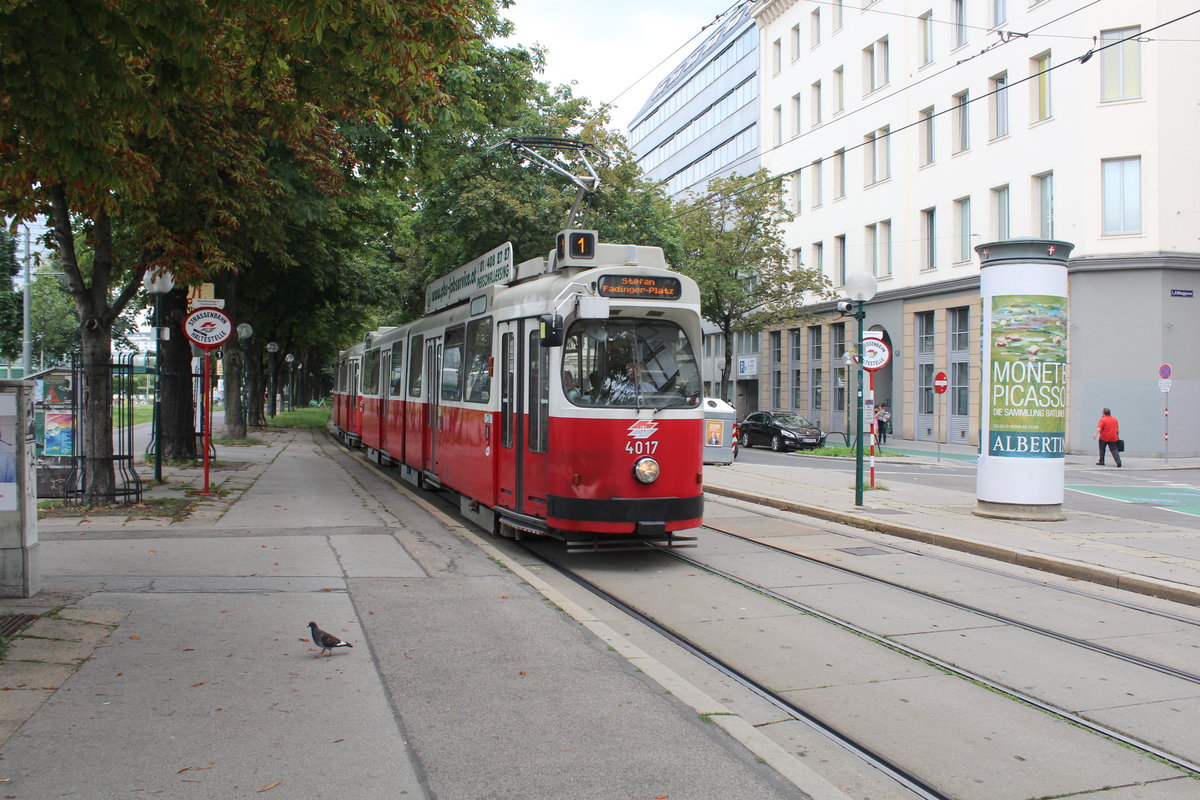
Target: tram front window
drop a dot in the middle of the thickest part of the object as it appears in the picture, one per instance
(642, 363)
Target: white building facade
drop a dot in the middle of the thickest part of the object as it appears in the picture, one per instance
(913, 131)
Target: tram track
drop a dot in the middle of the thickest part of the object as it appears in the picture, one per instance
(925, 777)
(1075, 641)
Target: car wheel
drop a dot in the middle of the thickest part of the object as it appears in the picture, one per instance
(776, 444)
(745, 440)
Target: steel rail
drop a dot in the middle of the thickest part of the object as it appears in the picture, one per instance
(953, 669)
(900, 775)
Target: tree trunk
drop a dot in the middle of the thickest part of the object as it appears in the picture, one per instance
(178, 411)
(96, 440)
(235, 418)
(726, 382)
(254, 383)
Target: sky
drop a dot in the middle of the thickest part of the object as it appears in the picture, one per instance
(607, 45)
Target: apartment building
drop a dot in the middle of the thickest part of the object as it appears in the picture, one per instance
(912, 131)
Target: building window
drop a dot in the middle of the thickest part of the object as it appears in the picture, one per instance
(929, 238)
(775, 349)
(817, 249)
(797, 257)
(925, 23)
(1122, 190)
(777, 124)
(814, 361)
(839, 260)
(960, 22)
(818, 177)
(876, 71)
(960, 330)
(924, 388)
(1039, 69)
(924, 330)
(794, 191)
(796, 338)
(795, 41)
(839, 90)
(962, 229)
(878, 239)
(1043, 194)
(960, 388)
(837, 336)
(926, 134)
(876, 156)
(999, 105)
(962, 121)
(797, 388)
(839, 173)
(1000, 12)
(1000, 209)
(776, 57)
(815, 26)
(838, 14)
(796, 103)
(815, 94)
(1120, 65)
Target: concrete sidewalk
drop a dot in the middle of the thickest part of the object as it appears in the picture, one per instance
(1154, 558)
(172, 659)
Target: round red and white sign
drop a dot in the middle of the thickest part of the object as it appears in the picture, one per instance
(940, 383)
(876, 354)
(207, 328)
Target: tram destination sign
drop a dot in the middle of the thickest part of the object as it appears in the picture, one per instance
(641, 287)
(494, 266)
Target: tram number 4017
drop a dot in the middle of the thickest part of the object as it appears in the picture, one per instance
(641, 448)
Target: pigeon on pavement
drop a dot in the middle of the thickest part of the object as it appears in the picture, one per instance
(325, 640)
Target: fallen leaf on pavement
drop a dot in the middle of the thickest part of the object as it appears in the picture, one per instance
(269, 786)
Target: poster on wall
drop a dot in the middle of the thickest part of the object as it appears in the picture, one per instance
(9, 431)
(59, 434)
(1028, 343)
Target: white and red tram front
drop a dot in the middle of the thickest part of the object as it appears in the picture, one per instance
(590, 433)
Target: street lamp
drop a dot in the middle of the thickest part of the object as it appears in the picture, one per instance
(158, 282)
(289, 358)
(272, 348)
(244, 332)
(860, 287)
(299, 381)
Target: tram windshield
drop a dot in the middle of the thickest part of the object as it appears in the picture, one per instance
(634, 362)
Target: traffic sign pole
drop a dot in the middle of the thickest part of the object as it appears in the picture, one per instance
(208, 329)
(940, 384)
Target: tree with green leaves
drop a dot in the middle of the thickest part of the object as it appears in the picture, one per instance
(10, 299)
(733, 247)
(146, 131)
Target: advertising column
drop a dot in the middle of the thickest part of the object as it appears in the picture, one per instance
(1023, 386)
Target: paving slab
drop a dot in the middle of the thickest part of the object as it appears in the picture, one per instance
(23, 648)
(1169, 725)
(71, 630)
(884, 610)
(31, 675)
(1031, 755)
(242, 555)
(374, 557)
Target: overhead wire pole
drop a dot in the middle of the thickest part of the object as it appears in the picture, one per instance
(26, 313)
(531, 145)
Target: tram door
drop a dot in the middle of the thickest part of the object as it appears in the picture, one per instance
(433, 396)
(512, 423)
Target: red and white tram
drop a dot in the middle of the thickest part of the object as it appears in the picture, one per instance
(559, 397)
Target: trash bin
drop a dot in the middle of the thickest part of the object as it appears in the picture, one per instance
(719, 419)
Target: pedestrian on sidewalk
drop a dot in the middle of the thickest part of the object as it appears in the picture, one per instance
(1108, 431)
(882, 415)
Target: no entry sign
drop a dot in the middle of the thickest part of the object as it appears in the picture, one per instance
(207, 328)
(940, 383)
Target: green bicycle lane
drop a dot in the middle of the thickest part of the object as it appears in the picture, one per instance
(1180, 499)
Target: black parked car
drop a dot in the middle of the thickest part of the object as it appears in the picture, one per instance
(781, 430)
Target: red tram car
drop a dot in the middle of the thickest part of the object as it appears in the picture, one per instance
(558, 397)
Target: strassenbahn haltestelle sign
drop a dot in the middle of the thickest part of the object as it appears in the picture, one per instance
(207, 328)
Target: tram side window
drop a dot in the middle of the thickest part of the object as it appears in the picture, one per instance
(539, 393)
(508, 399)
(452, 361)
(416, 359)
(479, 360)
(371, 373)
(396, 380)
(341, 377)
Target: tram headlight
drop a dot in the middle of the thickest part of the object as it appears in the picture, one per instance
(645, 469)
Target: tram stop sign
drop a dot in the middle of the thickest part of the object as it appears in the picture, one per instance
(940, 383)
(208, 328)
(875, 355)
